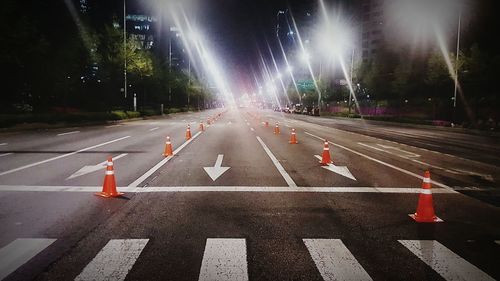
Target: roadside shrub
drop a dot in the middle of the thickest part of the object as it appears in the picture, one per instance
(133, 114)
(118, 115)
(174, 110)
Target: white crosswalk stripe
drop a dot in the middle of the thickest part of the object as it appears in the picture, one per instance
(448, 264)
(334, 261)
(20, 251)
(114, 261)
(224, 259)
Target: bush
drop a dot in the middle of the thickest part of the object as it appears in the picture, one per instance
(118, 115)
(174, 110)
(133, 114)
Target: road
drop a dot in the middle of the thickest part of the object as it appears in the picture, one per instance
(238, 202)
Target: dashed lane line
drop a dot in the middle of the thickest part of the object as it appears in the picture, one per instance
(334, 261)
(114, 261)
(166, 189)
(161, 163)
(441, 259)
(4, 143)
(278, 165)
(5, 154)
(154, 129)
(61, 156)
(224, 259)
(20, 251)
(382, 162)
(68, 133)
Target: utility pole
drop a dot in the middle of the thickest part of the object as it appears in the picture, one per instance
(124, 49)
(456, 67)
(351, 88)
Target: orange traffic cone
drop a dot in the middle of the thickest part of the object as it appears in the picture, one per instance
(425, 207)
(201, 126)
(168, 148)
(293, 138)
(267, 124)
(276, 129)
(109, 186)
(188, 133)
(325, 157)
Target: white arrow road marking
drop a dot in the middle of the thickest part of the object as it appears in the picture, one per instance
(90, 169)
(341, 170)
(216, 171)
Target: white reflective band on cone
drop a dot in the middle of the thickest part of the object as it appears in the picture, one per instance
(110, 163)
(426, 191)
(427, 180)
(110, 173)
(326, 148)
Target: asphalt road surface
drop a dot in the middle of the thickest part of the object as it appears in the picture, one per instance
(239, 202)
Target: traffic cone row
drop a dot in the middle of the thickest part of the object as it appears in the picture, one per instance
(109, 186)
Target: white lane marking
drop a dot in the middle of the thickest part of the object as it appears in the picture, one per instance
(288, 125)
(253, 130)
(334, 261)
(452, 171)
(341, 170)
(153, 129)
(448, 264)
(224, 259)
(4, 143)
(408, 153)
(161, 163)
(114, 261)
(280, 168)
(338, 189)
(93, 168)
(68, 133)
(216, 171)
(248, 124)
(19, 252)
(112, 126)
(384, 163)
(61, 156)
(5, 154)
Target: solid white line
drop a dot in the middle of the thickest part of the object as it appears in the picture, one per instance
(448, 264)
(68, 133)
(224, 259)
(5, 154)
(161, 163)
(20, 251)
(61, 156)
(4, 143)
(153, 129)
(114, 261)
(280, 168)
(133, 189)
(334, 261)
(383, 163)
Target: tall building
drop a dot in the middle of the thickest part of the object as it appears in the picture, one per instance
(142, 28)
(372, 36)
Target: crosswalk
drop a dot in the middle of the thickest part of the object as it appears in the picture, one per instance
(226, 259)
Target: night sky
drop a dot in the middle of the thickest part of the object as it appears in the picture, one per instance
(237, 29)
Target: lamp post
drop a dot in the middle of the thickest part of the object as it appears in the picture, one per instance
(456, 69)
(125, 49)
